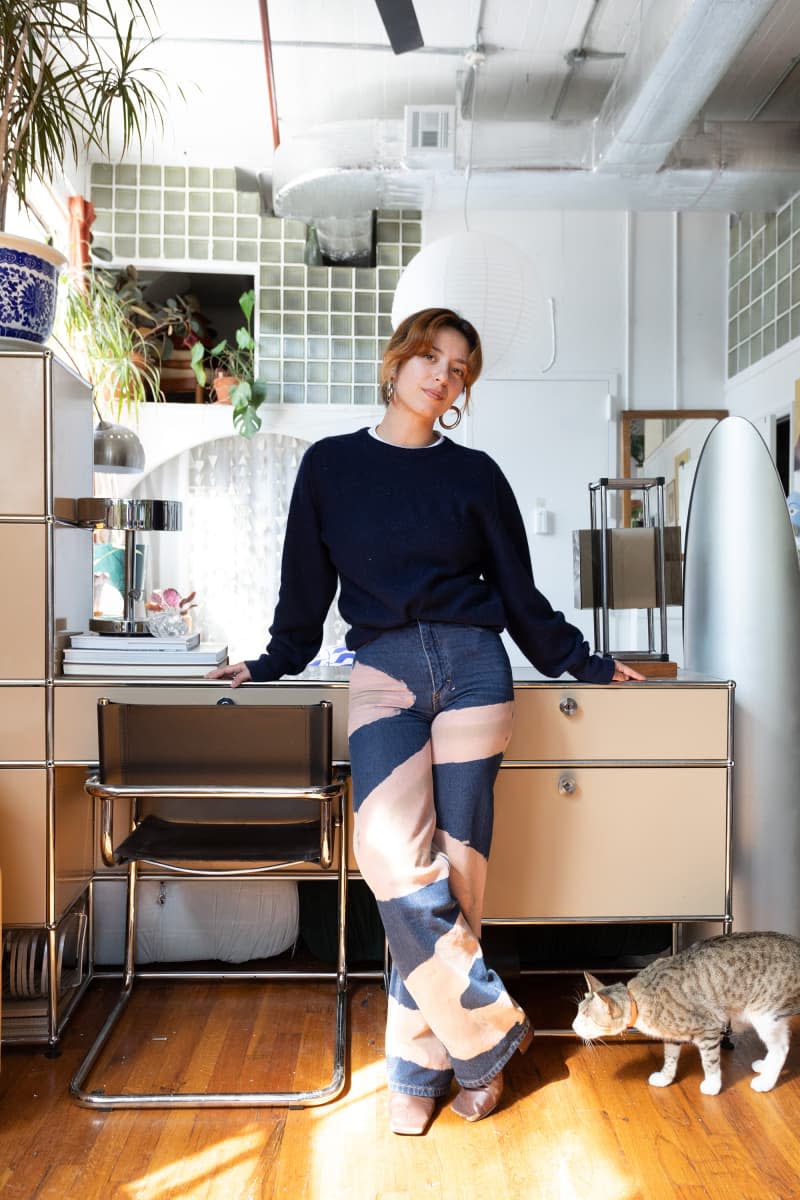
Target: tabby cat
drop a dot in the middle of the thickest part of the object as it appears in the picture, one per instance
(726, 982)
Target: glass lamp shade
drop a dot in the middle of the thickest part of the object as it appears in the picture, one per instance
(117, 449)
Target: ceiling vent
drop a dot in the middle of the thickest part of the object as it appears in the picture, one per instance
(430, 135)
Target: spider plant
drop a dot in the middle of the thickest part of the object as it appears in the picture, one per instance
(100, 324)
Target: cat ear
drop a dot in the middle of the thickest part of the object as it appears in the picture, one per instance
(594, 985)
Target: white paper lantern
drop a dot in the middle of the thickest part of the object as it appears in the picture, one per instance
(491, 283)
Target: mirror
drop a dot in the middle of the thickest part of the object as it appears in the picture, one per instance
(663, 441)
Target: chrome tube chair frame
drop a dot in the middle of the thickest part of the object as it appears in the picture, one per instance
(331, 803)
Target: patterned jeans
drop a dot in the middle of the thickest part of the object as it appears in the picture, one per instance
(430, 712)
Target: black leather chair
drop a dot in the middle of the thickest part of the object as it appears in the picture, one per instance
(259, 783)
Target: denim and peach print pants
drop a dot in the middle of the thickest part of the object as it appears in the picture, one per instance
(430, 712)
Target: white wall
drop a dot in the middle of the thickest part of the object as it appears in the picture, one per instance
(765, 391)
(640, 306)
(639, 295)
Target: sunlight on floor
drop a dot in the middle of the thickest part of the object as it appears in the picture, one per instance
(230, 1164)
(580, 1170)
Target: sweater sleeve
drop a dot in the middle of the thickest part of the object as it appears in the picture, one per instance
(308, 586)
(544, 636)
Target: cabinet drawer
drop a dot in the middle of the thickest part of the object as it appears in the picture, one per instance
(625, 722)
(22, 711)
(22, 601)
(628, 842)
(23, 844)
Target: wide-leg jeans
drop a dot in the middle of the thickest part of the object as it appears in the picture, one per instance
(430, 713)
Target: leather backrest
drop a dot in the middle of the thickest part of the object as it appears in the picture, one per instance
(251, 745)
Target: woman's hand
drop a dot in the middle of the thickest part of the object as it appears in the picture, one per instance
(236, 672)
(623, 673)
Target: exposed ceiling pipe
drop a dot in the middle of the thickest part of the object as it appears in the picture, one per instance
(577, 57)
(682, 52)
(273, 100)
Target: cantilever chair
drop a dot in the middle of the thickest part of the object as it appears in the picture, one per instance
(264, 798)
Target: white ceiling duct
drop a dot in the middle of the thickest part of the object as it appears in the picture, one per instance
(682, 52)
(348, 170)
(645, 149)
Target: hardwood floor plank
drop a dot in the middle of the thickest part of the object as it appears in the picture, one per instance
(576, 1122)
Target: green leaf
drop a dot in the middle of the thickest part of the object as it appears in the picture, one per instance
(247, 302)
(198, 354)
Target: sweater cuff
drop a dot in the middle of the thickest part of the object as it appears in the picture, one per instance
(597, 668)
(262, 669)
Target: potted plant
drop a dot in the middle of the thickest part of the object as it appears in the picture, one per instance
(170, 327)
(101, 323)
(67, 68)
(233, 371)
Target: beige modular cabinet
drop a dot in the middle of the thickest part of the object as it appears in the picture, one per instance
(45, 817)
(614, 804)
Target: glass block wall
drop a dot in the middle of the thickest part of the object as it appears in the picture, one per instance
(320, 330)
(763, 284)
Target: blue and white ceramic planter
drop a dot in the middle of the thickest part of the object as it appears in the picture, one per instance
(28, 280)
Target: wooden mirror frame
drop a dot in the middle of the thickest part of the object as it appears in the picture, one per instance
(629, 415)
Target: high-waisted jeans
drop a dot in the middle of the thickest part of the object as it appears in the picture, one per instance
(430, 712)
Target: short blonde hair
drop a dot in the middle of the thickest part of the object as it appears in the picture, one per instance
(416, 335)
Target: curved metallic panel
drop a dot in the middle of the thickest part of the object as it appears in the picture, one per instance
(742, 622)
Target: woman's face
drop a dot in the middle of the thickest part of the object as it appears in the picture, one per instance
(431, 382)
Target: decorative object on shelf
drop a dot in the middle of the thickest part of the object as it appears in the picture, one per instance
(234, 371)
(130, 516)
(629, 568)
(28, 281)
(68, 70)
(168, 613)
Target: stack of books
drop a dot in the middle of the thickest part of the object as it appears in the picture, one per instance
(106, 654)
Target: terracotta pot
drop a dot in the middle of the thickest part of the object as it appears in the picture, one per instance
(222, 387)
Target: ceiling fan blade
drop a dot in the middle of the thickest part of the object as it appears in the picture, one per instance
(401, 24)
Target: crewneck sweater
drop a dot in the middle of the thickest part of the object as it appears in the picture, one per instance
(429, 533)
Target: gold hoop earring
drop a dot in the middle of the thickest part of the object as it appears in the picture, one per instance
(388, 391)
(455, 421)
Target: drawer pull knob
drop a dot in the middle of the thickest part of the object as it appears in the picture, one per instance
(568, 706)
(566, 785)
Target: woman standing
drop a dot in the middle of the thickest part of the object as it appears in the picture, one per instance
(426, 541)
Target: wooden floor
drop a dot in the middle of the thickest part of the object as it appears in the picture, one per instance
(576, 1123)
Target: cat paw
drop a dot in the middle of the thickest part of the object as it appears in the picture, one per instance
(660, 1079)
(762, 1083)
(711, 1087)
(758, 1065)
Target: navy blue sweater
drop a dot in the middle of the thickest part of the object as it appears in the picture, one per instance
(429, 534)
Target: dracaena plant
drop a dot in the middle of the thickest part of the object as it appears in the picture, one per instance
(70, 71)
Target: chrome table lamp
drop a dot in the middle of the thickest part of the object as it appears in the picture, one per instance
(130, 516)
